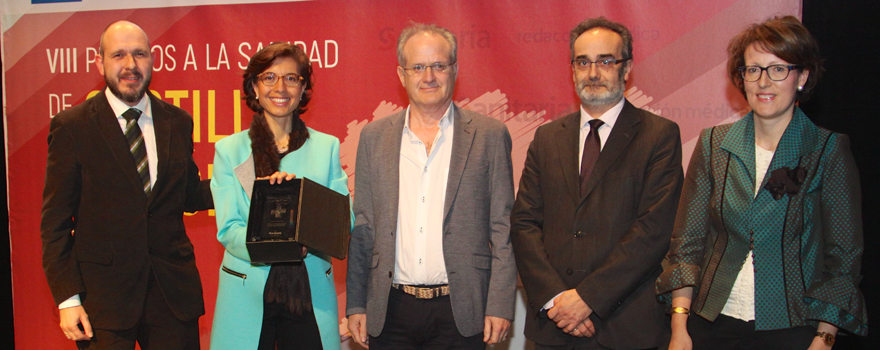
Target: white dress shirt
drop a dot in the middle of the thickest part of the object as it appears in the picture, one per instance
(608, 118)
(741, 302)
(145, 122)
(423, 177)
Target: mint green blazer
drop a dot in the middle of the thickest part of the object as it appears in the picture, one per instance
(238, 314)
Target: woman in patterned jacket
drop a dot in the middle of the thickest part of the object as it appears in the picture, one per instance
(767, 244)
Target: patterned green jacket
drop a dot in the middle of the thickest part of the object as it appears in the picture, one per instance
(805, 227)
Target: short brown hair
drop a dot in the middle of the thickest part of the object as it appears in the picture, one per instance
(263, 59)
(784, 37)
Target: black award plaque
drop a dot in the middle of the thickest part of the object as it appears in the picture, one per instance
(284, 217)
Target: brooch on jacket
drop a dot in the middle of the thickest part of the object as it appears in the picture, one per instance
(785, 181)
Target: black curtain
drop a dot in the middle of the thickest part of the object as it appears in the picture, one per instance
(844, 101)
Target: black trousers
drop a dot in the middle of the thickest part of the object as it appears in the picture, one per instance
(728, 333)
(584, 343)
(158, 329)
(412, 323)
(580, 343)
(289, 331)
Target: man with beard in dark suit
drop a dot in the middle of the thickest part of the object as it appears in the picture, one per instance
(596, 203)
(119, 176)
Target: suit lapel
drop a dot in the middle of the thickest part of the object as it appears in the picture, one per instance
(740, 141)
(389, 154)
(567, 140)
(162, 130)
(799, 139)
(246, 174)
(105, 120)
(462, 139)
(621, 134)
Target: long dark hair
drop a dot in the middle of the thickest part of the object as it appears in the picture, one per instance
(266, 156)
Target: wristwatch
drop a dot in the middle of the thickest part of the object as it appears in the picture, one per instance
(828, 338)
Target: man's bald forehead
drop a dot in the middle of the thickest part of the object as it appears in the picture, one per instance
(116, 26)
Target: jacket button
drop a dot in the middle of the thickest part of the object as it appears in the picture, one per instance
(389, 274)
(149, 214)
(569, 271)
(579, 233)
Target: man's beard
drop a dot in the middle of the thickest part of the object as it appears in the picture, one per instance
(130, 97)
(613, 91)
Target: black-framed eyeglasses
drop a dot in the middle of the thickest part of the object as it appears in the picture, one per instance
(270, 79)
(418, 69)
(583, 64)
(776, 72)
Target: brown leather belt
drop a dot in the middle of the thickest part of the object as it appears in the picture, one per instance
(423, 293)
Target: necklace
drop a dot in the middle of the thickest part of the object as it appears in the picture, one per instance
(282, 144)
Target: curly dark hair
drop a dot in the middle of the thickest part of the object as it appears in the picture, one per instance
(784, 37)
(263, 59)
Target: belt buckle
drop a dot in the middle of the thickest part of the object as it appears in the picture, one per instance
(424, 293)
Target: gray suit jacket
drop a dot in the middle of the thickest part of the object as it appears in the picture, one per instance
(606, 243)
(476, 227)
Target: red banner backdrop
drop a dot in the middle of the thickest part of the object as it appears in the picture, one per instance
(514, 66)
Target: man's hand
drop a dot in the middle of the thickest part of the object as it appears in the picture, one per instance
(71, 318)
(571, 314)
(495, 330)
(357, 325)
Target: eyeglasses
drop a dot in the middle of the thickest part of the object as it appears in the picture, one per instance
(270, 79)
(583, 64)
(419, 69)
(776, 72)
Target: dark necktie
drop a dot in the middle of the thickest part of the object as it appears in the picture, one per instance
(592, 147)
(136, 146)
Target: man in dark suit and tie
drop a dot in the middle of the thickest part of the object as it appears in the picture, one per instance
(430, 264)
(596, 203)
(119, 176)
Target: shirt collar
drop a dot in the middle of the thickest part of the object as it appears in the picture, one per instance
(445, 121)
(120, 107)
(609, 117)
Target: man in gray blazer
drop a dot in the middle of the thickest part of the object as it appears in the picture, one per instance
(430, 261)
(596, 203)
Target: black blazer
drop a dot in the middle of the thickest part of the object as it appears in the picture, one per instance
(102, 236)
(607, 244)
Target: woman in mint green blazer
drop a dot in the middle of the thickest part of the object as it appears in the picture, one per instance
(288, 305)
(767, 245)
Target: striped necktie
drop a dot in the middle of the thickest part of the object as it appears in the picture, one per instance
(136, 146)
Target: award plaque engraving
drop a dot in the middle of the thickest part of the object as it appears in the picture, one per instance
(285, 216)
